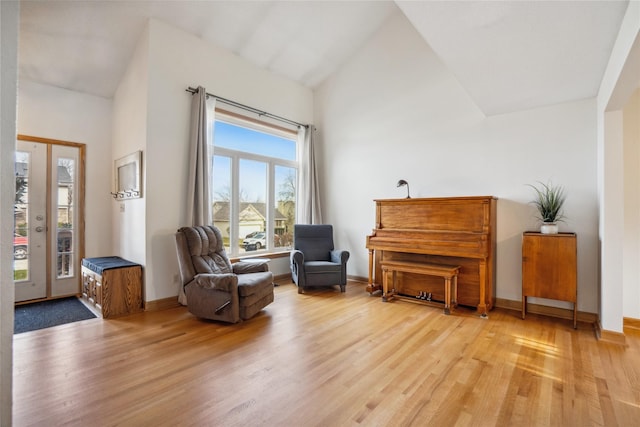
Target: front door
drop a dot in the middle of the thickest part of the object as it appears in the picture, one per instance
(30, 221)
(47, 214)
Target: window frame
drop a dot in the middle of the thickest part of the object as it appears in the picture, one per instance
(235, 157)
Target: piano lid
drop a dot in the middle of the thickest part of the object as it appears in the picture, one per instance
(438, 199)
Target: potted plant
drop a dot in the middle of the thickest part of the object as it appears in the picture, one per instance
(549, 201)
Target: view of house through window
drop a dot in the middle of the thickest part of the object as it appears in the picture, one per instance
(254, 173)
(65, 250)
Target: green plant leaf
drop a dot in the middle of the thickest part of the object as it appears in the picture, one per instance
(549, 200)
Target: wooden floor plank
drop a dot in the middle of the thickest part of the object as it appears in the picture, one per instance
(326, 358)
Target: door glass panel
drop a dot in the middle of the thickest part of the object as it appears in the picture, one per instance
(65, 226)
(21, 215)
(29, 234)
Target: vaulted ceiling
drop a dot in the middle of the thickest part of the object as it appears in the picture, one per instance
(508, 55)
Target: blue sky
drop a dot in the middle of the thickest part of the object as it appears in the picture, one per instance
(251, 141)
(252, 174)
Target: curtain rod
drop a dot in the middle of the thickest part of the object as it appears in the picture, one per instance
(246, 107)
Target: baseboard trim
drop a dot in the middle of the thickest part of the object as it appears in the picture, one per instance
(631, 323)
(358, 279)
(610, 337)
(544, 310)
(161, 304)
(287, 278)
(283, 278)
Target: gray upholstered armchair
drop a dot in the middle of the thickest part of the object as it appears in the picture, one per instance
(215, 288)
(314, 261)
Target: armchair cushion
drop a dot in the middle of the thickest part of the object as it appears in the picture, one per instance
(314, 241)
(251, 283)
(322, 267)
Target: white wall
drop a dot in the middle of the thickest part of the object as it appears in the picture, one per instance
(9, 23)
(614, 88)
(130, 109)
(394, 113)
(631, 257)
(177, 60)
(55, 113)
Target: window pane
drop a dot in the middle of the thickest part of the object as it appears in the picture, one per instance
(20, 215)
(252, 141)
(253, 207)
(64, 232)
(285, 206)
(222, 197)
(252, 218)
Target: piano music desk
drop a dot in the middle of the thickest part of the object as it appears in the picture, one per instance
(448, 272)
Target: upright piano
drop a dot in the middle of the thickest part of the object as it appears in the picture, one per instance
(445, 230)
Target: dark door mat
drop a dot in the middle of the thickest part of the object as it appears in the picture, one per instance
(44, 314)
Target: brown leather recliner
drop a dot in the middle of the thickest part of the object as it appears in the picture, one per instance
(215, 288)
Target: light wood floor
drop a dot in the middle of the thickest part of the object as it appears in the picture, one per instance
(326, 359)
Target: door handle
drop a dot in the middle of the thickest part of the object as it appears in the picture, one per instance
(39, 229)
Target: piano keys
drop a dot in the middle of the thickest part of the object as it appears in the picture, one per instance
(445, 230)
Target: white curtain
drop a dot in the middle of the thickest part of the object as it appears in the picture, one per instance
(198, 190)
(308, 208)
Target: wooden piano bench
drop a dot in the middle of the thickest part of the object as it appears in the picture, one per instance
(448, 272)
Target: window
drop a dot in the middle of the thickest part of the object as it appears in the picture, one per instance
(64, 232)
(254, 175)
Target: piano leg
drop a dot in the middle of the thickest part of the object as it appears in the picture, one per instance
(385, 284)
(387, 295)
(371, 286)
(447, 295)
(482, 307)
(454, 301)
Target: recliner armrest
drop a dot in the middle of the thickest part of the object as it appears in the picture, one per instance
(226, 282)
(296, 259)
(296, 256)
(243, 267)
(339, 256)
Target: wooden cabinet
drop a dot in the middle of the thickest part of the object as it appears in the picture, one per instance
(112, 286)
(549, 268)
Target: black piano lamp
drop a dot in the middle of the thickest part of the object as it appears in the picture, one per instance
(402, 183)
